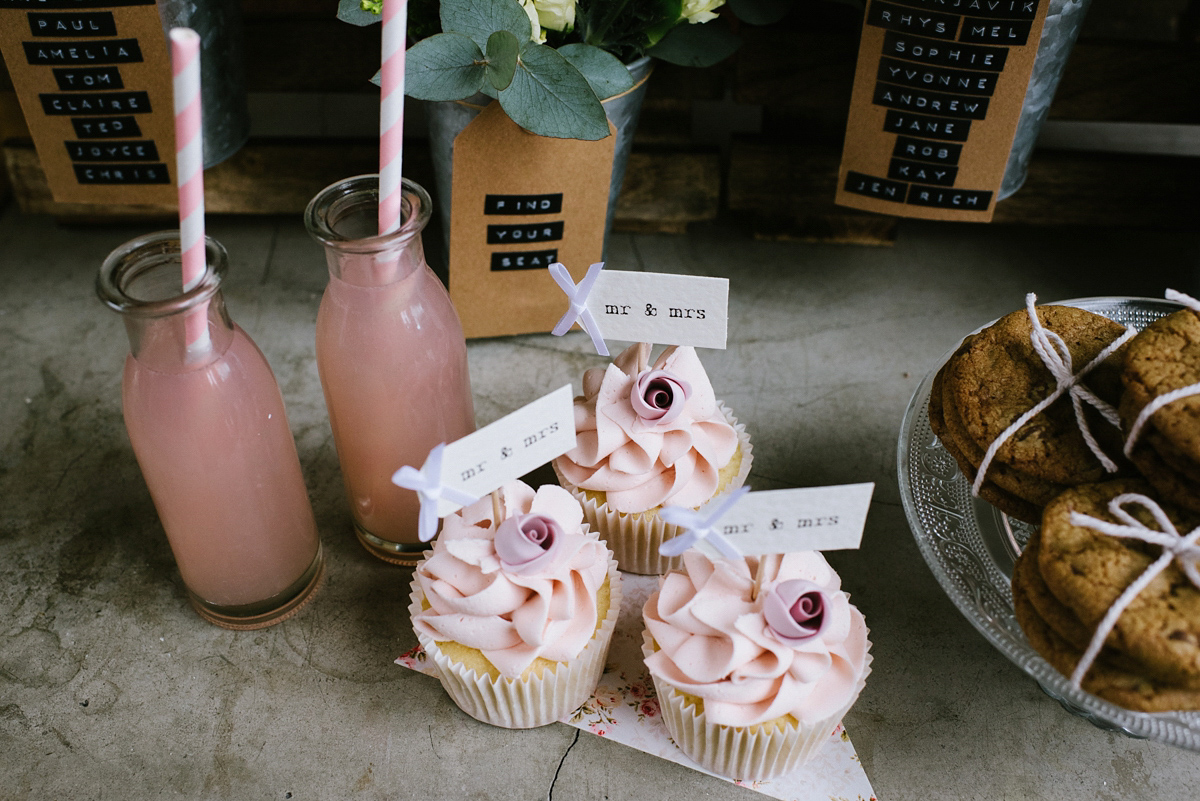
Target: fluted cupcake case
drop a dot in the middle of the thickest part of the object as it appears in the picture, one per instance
(528, 701)
(635, 537)
(750, 753)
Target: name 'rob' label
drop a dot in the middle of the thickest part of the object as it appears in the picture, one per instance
(510, 447)
(793, 520)
(661, 308)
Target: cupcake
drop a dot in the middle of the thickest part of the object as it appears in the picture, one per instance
(518, 617)
(648, 437)
(752, 688)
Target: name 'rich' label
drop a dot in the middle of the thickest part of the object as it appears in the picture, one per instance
(95, 104)
(90, 23)
(966, 199)
(532, 232)
(122, 174)
(103, 51)
(133, 150)
(523, 204)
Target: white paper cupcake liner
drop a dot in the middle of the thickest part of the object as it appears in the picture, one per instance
(531, 701)
(635, 538)
(751, 753)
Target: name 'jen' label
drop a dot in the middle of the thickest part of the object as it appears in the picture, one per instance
(792, 520)
(661, 308)
(510, 447)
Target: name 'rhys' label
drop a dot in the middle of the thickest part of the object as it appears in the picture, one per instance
(898, 18)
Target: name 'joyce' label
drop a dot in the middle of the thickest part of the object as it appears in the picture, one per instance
(661, 308)
(509, 448)
(793, 520)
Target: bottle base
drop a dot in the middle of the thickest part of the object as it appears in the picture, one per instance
(276, 609)
(395, 553)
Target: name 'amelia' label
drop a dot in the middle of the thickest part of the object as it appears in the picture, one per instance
(104, 51)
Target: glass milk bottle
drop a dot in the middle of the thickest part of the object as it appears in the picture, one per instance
(391, 355)
(208, 427)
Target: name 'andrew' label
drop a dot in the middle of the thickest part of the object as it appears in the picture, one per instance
(793, 520)
(510, 447)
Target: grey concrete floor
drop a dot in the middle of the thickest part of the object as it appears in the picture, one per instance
(110, 686)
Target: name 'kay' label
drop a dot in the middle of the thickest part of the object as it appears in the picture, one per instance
(793, 520)
(509, 448)
(661, 308)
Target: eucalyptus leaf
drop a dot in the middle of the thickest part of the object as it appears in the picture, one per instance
(448, 66)
(479, 19)
(351, 11)
(502, 50)
(549, 97)
(604, 72)
(696, 45)
(760, 12)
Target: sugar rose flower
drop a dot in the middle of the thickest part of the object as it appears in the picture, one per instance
(528, 543)
(795, 610)
(658, 396)
(695, 11)
(556, 15)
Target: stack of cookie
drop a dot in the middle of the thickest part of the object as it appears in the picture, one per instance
(1160, 359)
(1067, 579)
(995, 377)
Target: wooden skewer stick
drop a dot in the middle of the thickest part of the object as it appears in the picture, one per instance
(497, 508)
(643, 359)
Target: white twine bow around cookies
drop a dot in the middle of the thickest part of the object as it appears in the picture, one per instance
(1055, 354)
(697, 528)
(1135, 431)
(577, 295)
(1175, 547)
(427, 482)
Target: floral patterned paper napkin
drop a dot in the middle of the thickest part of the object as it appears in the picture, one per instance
(624, 708)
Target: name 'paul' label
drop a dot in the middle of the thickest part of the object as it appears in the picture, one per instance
(662, 308)
(510, 447)
(793, 520)
(90, 23)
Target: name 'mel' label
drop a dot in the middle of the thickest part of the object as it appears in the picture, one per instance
(938, 92)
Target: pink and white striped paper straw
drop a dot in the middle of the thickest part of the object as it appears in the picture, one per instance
(189, 166)
(391, 114)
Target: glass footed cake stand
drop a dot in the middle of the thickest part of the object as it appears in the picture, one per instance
(971, 548)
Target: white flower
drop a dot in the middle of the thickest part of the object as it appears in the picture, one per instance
(557, 15)
(539, 35)
(700, 10)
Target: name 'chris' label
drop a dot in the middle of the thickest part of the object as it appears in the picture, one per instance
(793, 520)
(510, 447)
(661, 308)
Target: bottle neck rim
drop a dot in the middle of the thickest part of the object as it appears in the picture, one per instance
(134, 259)
(338, 201)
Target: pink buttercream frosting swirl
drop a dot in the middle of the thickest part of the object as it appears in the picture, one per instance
(716, 643)
(638, 443)
(489, 590)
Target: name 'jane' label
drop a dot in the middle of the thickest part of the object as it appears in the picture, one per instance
(104, 51)
(510, 447)
(793, 520)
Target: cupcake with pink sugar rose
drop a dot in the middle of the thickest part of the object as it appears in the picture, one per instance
(752, 685)
(649, 436)
(516, 606)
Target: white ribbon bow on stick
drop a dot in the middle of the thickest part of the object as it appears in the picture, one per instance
(1056, 356)
(427, 482)
(1178, 548)
(578, 297)
(697, 528)
(1153, 406)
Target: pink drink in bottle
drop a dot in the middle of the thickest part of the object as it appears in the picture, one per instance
(391, 355)
(211, 436)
